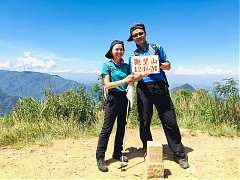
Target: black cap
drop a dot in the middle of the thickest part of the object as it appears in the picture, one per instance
(134, 27)
(109, 53)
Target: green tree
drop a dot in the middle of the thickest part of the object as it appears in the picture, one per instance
(97, 92)
(227, 89)
(227, 95)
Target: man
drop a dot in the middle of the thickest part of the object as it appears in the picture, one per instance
(153, 90)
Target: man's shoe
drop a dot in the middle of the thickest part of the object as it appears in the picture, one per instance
(183, 163)
(102, 166)
(120, 158)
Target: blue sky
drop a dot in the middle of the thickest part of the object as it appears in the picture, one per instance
(200, 37)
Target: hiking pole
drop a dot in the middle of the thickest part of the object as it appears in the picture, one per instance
(124, 164)
(130, 97)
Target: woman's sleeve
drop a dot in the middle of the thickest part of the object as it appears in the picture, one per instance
(105, 70)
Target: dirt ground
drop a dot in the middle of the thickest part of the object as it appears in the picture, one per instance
(209, 158)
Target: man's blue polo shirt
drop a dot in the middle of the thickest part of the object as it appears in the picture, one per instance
(151, 78)
(117, 72)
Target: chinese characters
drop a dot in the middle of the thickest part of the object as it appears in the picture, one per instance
(145, 64)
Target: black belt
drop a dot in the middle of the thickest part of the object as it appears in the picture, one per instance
(162, 82)
(117, 93)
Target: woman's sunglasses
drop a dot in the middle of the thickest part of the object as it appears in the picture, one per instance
(137, 34)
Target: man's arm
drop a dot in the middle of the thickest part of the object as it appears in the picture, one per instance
(164, 63)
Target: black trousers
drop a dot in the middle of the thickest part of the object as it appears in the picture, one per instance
(157, 94)
(116, 107)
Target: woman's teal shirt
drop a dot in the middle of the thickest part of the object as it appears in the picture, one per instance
(117, 72)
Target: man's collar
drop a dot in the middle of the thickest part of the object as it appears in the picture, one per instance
(144, 48)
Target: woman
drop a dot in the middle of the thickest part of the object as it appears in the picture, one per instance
(116, 76)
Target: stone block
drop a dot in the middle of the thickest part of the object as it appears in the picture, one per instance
(154, 160)
(154, 152)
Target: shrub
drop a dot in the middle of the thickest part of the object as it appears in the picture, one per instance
(27, 109)
(73, 104)
(202, 107)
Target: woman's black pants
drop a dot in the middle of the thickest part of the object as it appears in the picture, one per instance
(157, 94)
(116, 108)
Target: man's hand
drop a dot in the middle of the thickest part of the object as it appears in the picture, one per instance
(165, 66)
(139, 76)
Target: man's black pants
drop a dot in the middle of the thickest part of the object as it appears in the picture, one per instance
(116, 107)
(157, 94)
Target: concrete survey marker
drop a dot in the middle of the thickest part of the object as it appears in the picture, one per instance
(154, 160)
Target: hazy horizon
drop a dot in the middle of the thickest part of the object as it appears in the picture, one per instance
(197, 81)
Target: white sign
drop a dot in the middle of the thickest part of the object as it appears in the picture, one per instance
(145, 64)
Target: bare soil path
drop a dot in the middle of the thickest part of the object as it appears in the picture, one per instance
(210, 158)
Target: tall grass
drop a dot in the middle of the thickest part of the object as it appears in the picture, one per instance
(74, 104)
(216, 114)
(74, 113)
(65, 115)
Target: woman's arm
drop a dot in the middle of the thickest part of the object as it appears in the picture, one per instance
(110, 85)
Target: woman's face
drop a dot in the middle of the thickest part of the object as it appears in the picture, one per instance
(117, 52)
(139, 36)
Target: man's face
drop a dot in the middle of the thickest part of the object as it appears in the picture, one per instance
(139, 36)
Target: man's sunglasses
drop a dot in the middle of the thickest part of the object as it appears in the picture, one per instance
(137, 34)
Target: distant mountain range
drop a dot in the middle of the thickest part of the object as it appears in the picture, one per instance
(28, 83)
(14, 85)
(185, 87)
(197, 81)
(7, 102)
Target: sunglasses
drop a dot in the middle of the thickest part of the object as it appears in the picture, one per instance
(137, 34)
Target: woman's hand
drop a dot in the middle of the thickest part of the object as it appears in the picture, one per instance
(139, 76)
(129, 79)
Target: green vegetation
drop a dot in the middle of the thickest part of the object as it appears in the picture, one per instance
(65, 115)
(75, 113)
(218, 114)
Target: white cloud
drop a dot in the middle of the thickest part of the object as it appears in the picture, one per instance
(29, 61)
(4, 65)
(182, 70)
